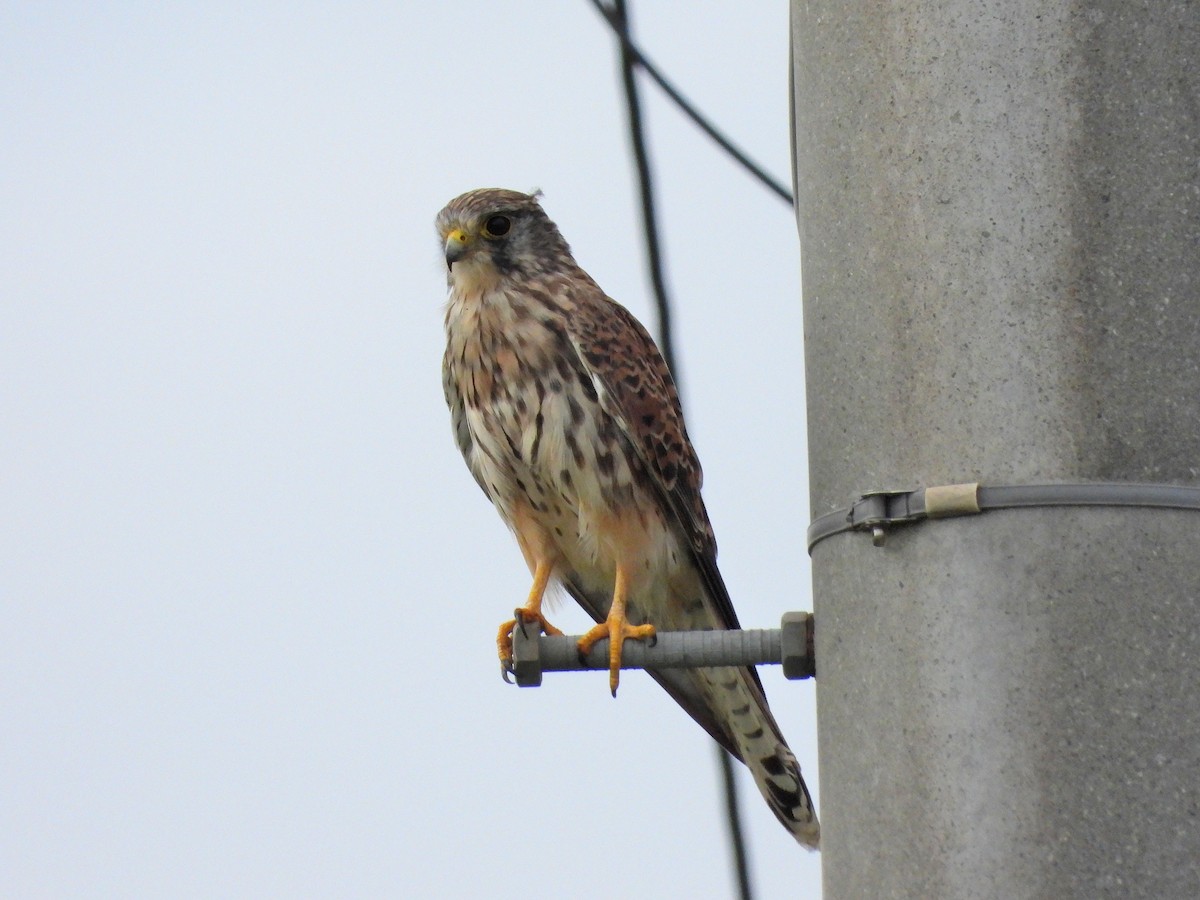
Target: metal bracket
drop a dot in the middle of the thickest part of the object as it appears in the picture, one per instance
(877, 511)
(791, 645)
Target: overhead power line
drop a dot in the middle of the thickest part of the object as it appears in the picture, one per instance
(617, 17)
(614, 18)
(641, 158)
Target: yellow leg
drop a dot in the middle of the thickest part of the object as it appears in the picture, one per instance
(616, 628)
(527, 614)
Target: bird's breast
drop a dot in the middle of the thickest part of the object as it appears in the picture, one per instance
(541, 438)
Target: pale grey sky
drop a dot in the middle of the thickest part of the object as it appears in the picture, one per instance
(248, 588)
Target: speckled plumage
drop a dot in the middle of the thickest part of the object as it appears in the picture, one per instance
(568, 418)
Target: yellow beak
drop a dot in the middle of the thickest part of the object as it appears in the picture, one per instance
(457, 242)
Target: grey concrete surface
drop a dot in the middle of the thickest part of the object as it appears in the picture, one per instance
(999, 211)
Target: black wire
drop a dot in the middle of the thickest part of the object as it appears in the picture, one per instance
(618, 17)
(745, 891)
(628, 48)
(642, 159)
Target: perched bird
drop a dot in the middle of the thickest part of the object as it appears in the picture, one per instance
(568, 418)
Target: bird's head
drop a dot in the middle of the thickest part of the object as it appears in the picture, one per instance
(491, 235)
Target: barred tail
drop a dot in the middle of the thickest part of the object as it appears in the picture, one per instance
(778, 777)
(753, 731)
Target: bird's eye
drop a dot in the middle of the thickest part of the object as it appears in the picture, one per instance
(497, 226)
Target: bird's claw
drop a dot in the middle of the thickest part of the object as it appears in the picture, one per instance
(519, 621)
(522, 617)
(617, 629)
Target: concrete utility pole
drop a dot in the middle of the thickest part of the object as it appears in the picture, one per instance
(999, 209)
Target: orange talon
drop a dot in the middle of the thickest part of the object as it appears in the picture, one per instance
(616, 628)
(528, 614)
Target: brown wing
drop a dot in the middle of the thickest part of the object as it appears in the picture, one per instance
(636, 389)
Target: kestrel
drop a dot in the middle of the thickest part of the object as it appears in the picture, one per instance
(569, 420)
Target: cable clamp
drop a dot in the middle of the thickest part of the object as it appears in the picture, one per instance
(878, 511)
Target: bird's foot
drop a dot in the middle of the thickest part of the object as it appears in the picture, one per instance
(522, 618)
(616, 629)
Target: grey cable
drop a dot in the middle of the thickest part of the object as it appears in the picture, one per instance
(880, 510)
